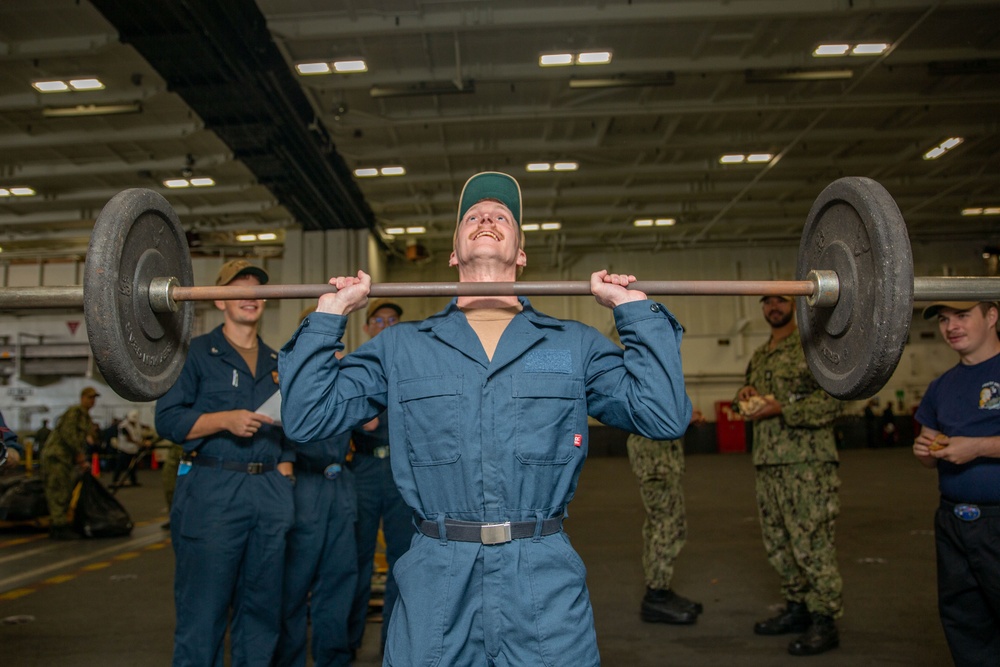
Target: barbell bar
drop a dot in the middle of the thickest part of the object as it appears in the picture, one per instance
(854, 275)
(166, 293)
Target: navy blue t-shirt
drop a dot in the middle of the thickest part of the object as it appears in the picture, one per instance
(966, 401)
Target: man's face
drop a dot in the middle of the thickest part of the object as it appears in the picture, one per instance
(966, 331)
(488, 231)
(242, 311)
(380, 319)
(88, 401)
(777, 311)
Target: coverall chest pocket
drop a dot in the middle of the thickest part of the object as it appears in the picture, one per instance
(547, 416)
(216, 395)
(431, 410)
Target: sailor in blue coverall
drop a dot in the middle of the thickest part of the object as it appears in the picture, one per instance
(232, 505)
(488, 403)
(378, 498)
(321, 569)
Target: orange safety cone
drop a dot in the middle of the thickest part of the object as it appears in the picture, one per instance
(95, 465)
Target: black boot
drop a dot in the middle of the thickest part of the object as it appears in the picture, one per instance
(795, 618)
(665, 606)
(819, 637)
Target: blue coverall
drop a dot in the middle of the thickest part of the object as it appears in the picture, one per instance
(228, 527)
(490, 441)
(378, 499)
(321, 568)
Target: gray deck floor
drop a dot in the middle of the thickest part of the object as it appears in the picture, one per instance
(109, 602)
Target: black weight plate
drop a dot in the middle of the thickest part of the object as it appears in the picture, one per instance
(137, 237)
(856, 229)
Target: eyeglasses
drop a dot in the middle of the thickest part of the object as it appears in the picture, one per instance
(384, 321)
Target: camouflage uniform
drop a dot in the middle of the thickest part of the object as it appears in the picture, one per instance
(795, 455)
(658, 465)
(66, 446)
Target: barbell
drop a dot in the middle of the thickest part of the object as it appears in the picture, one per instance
(854, 277)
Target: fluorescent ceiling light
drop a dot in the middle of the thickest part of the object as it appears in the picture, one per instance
(593, 58)
(91, 110)
(759, 157)
(305, 69)
(18, 191)
(393, 231)
(943, 148)
(50, 86)
(869, 49)
(416, 230)
(555, 59)
(246, 238)
(732, 159)
(530, 227)
(267, 236)
(86, 84)
(643, 222)
(831, 50)
(548, 166)
(391, 170)
(201, 182)
(54, 86)
(989, 210)
(551, 226)
(665, 222)
(349, 66)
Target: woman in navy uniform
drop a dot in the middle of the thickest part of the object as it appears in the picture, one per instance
(488, 403)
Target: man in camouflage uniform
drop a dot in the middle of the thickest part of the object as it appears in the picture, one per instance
(65, 450)
(795, 455)
(659, 465)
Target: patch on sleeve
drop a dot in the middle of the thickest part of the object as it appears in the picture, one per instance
(548, 361)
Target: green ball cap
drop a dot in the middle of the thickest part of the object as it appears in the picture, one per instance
(491, 185)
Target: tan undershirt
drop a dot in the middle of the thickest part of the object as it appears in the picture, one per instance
(249, 354)
(489, 324)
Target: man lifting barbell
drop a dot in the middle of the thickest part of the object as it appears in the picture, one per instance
(488, 400)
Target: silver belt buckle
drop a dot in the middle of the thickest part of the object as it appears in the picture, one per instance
(255, 468)
(381, 452)
(495, 533)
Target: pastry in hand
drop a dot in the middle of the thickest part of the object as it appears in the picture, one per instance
(940, 442)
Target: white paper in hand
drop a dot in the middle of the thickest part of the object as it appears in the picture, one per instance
(272, 408)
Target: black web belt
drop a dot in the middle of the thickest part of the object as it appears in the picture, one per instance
(249, 467)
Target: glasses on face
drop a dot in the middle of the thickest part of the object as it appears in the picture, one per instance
(383, 321)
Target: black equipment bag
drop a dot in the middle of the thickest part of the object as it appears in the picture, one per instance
(22, 502)
(96, 512)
